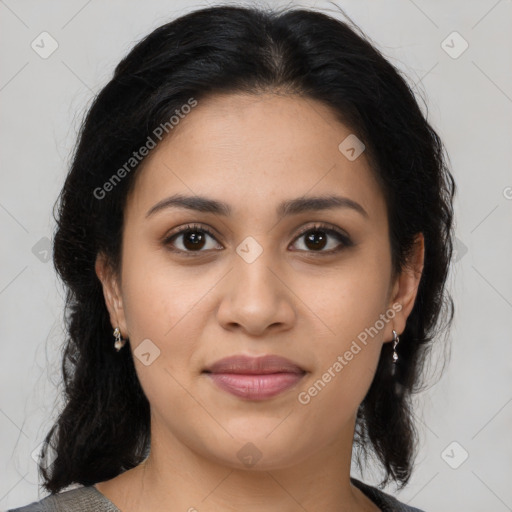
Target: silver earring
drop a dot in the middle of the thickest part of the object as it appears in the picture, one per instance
(119, 343)
(396, 339)
(395, 355)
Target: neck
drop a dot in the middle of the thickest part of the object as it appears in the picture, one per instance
(175, 478)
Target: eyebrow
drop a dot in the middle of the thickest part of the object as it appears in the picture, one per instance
(286, 208)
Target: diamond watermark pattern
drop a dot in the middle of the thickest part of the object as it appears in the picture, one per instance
(249, 249)
(459, 250)
(42, 249)
(51, 455)
(454, 455)
(351, 147)
(44, 45)
(147, 352)
(249, 454)
(454, 45)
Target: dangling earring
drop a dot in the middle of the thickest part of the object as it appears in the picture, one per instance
(119, 343)
(395, 355)
(396, 339)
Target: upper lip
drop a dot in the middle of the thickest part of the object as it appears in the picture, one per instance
(248, 365)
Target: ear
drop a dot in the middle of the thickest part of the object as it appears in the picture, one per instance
(406, 286)
(112, 294)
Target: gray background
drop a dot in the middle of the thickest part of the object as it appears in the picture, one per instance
(469, 102)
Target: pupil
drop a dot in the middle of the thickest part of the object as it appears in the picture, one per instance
(316, 238)
(195, 237)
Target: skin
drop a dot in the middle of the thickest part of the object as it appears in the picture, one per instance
(252, 152)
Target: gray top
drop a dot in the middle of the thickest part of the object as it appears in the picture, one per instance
(89, 499)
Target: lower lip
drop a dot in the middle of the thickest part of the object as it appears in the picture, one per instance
(255, 387)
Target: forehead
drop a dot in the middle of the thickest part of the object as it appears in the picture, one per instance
(253, 151)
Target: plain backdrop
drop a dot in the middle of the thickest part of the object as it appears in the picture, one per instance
(456, 54)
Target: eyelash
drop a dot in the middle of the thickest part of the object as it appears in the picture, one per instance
(346, 242)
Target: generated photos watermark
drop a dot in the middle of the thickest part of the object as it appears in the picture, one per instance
(304, 397)
(137, 156)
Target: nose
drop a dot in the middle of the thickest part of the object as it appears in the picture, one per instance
(255, 296)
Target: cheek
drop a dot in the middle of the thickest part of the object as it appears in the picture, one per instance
(156, 294)
(352, 317)
(349, 299)
(165, 304)
(329, 401)
(350, 351)
(163, 308)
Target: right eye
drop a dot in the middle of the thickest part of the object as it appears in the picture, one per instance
(193, 239)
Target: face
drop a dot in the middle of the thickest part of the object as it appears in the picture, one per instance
(311, 285)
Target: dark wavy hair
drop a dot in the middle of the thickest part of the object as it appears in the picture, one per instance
(103, 428)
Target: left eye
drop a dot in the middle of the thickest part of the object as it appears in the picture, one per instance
(316, 238)
(193, 239)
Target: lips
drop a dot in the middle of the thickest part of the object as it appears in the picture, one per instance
(255, 378)
(246, 365)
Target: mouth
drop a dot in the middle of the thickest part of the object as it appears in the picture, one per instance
(248, 365)
(255, 378)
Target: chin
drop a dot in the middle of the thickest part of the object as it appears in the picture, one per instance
(259, 450)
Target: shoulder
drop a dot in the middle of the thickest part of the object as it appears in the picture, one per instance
(384, 501)
(81, 499)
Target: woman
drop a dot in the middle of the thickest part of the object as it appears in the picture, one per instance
(255, 234)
